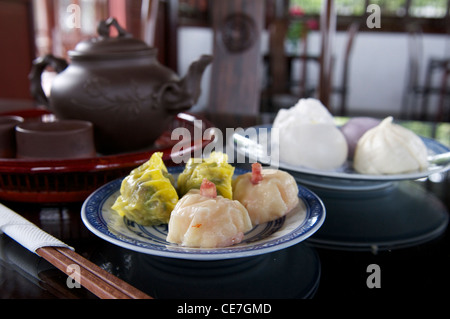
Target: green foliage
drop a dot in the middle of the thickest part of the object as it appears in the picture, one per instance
(418, 8)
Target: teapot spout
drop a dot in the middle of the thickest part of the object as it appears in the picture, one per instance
(184, 94)
(191, 82)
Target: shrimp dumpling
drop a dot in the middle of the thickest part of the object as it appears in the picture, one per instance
(268, 194)
(204, 219)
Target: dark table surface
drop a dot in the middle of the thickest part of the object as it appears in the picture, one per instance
(414, 263)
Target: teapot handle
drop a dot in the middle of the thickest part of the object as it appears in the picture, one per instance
(35, 75)
(103, 28)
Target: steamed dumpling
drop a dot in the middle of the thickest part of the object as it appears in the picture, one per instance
(207, 220)
(267, 194)
(354, 129)
(309, 137)
(390, 149)
(214, 168)
(147, 195)
(316, 146)
(306, 111)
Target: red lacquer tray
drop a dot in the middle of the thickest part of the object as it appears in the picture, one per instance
(72, 180)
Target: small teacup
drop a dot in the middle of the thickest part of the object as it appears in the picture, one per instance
(7, 135)
(62, 139)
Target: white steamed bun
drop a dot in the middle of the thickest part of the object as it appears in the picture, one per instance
(390, 148)
(309, 137)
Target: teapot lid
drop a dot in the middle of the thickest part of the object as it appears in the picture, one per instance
(104, 46)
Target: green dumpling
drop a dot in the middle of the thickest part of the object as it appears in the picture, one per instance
(215, 168)
(147, 195)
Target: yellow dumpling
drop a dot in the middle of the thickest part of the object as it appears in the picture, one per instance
(147, 195)
(215, 168)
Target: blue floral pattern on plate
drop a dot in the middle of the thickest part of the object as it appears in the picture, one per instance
(296, 226)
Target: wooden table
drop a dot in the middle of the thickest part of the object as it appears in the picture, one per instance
(305, 270)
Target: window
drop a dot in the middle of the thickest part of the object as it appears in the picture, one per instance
(350, 7)
(431, 14)
(417, 8)
(391, 8)
(428, 8)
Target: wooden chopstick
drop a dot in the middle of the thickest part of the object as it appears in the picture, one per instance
(97, 280)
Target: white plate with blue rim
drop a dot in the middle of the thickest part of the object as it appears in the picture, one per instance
(298, 225)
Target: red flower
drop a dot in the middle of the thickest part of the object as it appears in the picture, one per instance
(312, 24)
(296, 11)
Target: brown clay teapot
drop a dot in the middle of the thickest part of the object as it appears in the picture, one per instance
(117, 84)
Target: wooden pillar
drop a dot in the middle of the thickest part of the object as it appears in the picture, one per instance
(236, 79)
(328, 30)
(172, 34)
(18, 50)
(277, 59)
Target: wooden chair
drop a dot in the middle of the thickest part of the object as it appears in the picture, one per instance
(439, 65)
(414, 89)
(327, 30)
(235, 78)
(417, 93)
(278, 68)
(281, 82)
(444, 95)
(343, 88)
